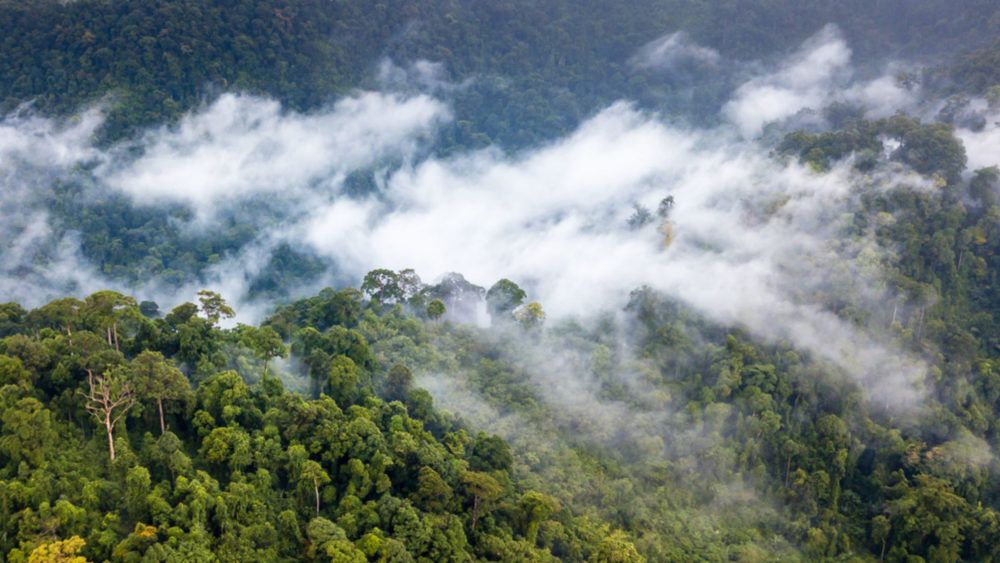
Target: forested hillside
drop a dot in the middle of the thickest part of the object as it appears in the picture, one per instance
(221, 461)
(656, 280)
(538, 68)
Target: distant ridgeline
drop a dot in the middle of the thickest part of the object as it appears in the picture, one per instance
(537, 68)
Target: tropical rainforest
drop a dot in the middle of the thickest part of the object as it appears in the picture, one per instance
(508, 280)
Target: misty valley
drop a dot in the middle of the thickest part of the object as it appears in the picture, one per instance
(518, 280)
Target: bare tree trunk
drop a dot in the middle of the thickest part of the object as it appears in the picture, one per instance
(475, 511)
(163, 427)
(788, 470)
(316, 489)
(111, 434)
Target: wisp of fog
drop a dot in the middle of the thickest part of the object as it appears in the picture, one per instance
(746, 242)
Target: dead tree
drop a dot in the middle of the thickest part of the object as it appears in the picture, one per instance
(109, 399)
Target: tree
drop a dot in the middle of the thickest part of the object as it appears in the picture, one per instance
(36, 358)
(63, 314)
(409, 284)
(344, 377)
(228, 444)
(329, 539)
(265, 342)
(351, 343)
(225, 395)
(640, 217)
(59, 551)
(137, 486)
(398, 383)
(616, 548)
(214, 307)
(436, 309)
(929, 519)
(181, 314)
(309, 344)
(109, 398)
(484, 490)
(103, 310)
(460, 296)
(12, 372)
(535, 508)
(880, 533)
(490, 453)
(383, 286)
(149, 309)
(984, 187)
(318, 363)
(154, 378)
(433, 493)
(531, 315)
(665, 207)
(27, 432)
(312, 472)
(503, 298)
(12, 316)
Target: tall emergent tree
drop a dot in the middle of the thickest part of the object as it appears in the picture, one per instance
(503, 298)
(109, 398)
(214, 307)
(155, 379)
(483, 488)
(313, 473)
(265, 342)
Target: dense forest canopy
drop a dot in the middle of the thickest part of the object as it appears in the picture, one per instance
(513, 280)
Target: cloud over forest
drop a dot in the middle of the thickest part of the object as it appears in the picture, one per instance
(747, 241)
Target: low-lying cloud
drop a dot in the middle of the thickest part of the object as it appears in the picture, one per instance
(36, 155)
(819, 74)
(242, 145)
(982, 146)
(671, 50)
(748, 241)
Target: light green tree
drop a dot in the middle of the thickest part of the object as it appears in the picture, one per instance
(214, 307)
(153, 378)
(436, 309)
(484, 490)
(531, 315)
(265, 342)
(313, 473)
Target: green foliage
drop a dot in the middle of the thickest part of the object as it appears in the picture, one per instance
(435, 309)
(928, 148)
(503, 298)
(726, 448)
(531, 315)
(214, 307)
(536, 75)
(256, 472)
